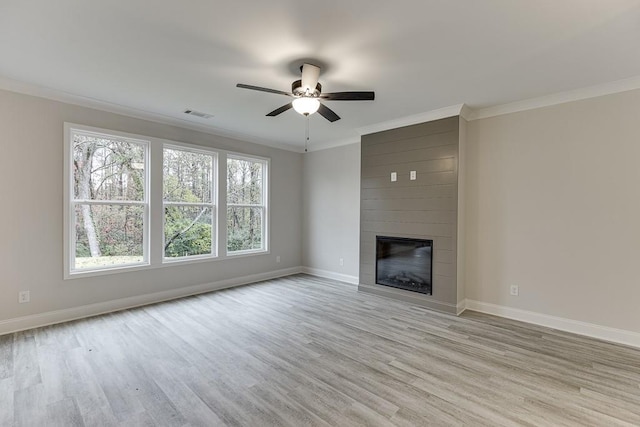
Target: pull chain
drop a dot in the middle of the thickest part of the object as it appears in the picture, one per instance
(306, 134)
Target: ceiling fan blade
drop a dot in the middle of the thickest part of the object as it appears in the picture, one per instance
(310, 75)
(349, 96)
(262, 89)
(280, 110)
(328, 113)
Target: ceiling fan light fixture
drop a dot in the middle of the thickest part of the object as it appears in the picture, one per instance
(306, 105)
(306, 93)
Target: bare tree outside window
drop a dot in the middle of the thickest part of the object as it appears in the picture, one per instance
(245, 204)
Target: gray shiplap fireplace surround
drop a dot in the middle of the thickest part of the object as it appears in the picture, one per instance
(424, 208)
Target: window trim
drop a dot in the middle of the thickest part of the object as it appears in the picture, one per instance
(213, 205)
(264, 206)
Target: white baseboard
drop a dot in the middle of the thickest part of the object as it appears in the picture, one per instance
(331, 275)
(461, 307)
(592, 330)
(59, 316)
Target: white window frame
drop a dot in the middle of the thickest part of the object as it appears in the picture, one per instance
(153, 233)
(264, 206)
(70, 201)
(212, 205)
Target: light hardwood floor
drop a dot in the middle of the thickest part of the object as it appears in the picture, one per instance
(304, 351)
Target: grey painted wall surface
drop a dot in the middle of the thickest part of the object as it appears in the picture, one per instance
(31, 218)
(553, 206)
(331, 210)
(426, 208)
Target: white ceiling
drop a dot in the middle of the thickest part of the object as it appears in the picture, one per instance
(164, 56)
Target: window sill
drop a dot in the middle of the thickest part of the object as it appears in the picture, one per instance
(166, 262)
(241, 254)
(105, 271)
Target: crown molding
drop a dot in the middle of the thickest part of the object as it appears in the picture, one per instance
(557, 98)
(466, 112)
(333, 144)
(441, 113)
(12, 85)
(462, 110)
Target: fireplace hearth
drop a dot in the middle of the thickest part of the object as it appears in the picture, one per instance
(404, 263)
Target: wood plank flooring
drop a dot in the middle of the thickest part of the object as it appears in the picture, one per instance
(302, 351)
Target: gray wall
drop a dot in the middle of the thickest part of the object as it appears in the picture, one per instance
(553, 206)
(31, 218)
(426, 208)
(332, 212)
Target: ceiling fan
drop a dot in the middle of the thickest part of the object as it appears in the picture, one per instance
(307, 93)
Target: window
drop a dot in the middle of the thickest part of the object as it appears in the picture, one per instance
(188, 198)
(246, 204)
(133, 202)
(108, 209)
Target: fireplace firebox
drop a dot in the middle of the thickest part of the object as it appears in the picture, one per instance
(404, 263)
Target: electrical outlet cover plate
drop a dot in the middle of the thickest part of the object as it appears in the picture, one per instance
(514, 290)
(24, 296)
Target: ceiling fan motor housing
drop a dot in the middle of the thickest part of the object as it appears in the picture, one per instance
(297, 89)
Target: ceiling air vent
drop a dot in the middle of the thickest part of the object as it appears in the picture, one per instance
(198, 114)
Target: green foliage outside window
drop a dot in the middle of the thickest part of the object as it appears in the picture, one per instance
(188, 221)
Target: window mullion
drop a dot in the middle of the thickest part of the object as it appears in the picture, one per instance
(196, 204)
(243, 205)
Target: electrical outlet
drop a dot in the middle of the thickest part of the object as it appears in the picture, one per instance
(24, 296)
(412, 175)
(341, 261)
(278, 258)
(515, 291)
(394, 176)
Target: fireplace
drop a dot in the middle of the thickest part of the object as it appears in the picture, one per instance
(404, 263)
